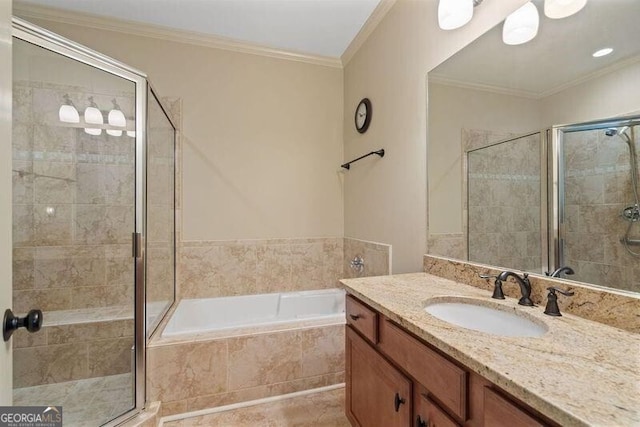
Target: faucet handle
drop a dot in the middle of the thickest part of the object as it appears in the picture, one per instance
(497, 285)
(552, 308)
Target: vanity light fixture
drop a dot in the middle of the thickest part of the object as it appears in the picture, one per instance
(602, 52)
(116, 119)
(68, 112)
(92, 115)
(557, 9)
(454, 14)
(521, 26)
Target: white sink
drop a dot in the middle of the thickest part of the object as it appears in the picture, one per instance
(493, 319)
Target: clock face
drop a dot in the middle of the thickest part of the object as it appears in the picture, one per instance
(363, 115)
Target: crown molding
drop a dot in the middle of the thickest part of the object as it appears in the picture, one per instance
(372, 22)
(442, 80)
(163, 33)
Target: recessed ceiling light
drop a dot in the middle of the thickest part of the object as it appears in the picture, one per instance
(602, 52)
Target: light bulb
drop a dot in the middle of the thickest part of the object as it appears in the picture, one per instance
(131, 133)
(521, 26)
(92, 131)
(454, 14)
(557, 9)
(68, 114)
(92, 114)
(114, 132)
(116, 116)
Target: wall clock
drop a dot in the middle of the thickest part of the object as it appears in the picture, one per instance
(363, 115)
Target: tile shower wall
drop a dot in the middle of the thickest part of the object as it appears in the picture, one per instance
(504, 204)
(597, 188)
(72, 201)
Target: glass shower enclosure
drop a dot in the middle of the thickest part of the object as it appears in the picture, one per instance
(93, 226)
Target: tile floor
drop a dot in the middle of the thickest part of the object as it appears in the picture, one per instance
(88, 402)
(322, 409)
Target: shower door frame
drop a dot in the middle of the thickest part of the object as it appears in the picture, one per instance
(45, 39)
(556, 193)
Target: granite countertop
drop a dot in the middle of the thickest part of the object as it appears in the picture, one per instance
(578, 373)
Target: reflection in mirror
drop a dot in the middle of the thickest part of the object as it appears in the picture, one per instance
(504, 203)
(599, 222)
(494, 91)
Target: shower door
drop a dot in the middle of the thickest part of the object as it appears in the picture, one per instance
(597, 230)
(78, 175)
(504, 203)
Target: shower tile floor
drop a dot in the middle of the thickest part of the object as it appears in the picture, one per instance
(86, 403)
(322, 409)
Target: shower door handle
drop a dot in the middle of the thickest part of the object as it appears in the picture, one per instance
(32, 322)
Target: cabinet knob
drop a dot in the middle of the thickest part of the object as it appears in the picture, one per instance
(354, 316)
(398, 401)
(421, 423)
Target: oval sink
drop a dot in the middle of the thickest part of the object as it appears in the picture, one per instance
(496, 320)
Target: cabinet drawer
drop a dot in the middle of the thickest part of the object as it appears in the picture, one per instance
(500, 412)
(445, 381)
(362, 318)
(428, 414)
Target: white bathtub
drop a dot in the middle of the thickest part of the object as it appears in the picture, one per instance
(199, 316)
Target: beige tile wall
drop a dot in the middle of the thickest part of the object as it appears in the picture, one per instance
(597, 188)
(73, 197)
(224, 268)
(503, 201)
(376, 256)
(189, 376)
(72, 352)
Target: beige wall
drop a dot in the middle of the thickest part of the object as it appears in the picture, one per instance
(6, 366)
(262, 136)
(385, 199)
(614, 94)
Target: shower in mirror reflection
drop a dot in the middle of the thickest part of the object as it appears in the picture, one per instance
(630, 213)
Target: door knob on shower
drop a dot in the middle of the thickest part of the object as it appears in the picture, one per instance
(32, 322)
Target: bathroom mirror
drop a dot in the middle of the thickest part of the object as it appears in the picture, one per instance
(491, 93)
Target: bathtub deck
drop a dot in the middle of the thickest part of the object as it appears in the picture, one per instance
(322, 409)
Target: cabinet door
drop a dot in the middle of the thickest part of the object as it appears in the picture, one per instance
(378, 395)
(428, 414)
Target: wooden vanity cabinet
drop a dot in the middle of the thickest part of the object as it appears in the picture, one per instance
(377, 394)
(395, 379)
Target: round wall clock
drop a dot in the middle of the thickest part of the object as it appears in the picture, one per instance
(363, 115)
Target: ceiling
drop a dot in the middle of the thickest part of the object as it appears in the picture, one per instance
(313, 27)
(558, 57)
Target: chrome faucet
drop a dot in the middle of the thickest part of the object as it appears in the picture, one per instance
(523, 282)
(558, 271)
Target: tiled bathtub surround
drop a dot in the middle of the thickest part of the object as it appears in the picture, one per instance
(243, 267)
(198, 374)
(376, 256)
(611, 308)
(450, 245)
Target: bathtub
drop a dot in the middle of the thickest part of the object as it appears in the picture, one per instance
(269, 311)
